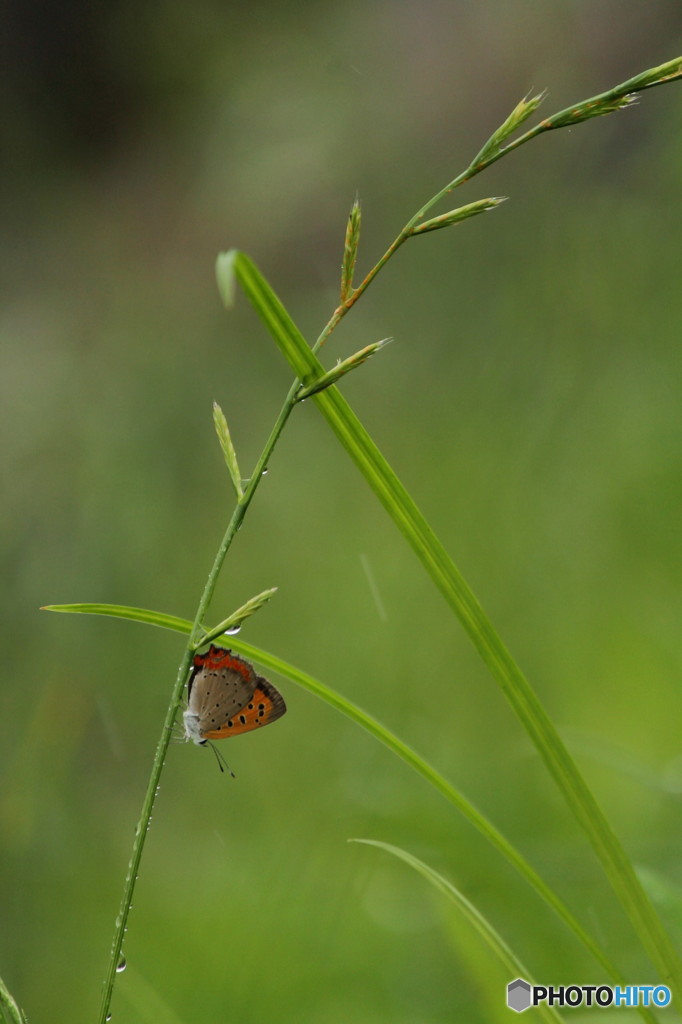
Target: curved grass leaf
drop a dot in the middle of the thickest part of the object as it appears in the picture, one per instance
(445, 788)
(490, 936)
(516, 688)
(11, 1012)
(397, 746)
(122, 611)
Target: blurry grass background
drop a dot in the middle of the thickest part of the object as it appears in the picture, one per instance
(530, 403)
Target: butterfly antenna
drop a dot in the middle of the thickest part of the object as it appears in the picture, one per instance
(221, 760)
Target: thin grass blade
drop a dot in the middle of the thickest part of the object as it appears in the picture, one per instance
(397, 746)
(122, 611)
(516, 688)
(414, 760)
(9, 1008)
(479, 923)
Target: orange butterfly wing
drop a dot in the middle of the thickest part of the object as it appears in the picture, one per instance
(266, 705)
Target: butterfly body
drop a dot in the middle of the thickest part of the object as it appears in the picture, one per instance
(225, 697)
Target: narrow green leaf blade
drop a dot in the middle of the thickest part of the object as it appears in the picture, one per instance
(454, 796)
(122, 611)
(11, 1011)
(508, 675)
(516, 688)
(480, 924)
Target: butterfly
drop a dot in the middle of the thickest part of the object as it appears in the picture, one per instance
(226, 697)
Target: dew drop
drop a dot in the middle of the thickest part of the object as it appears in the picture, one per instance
(108, 1017)
(265, 472)
(233, 630)
(121, 965)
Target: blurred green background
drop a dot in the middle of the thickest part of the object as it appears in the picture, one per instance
(530, 403)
